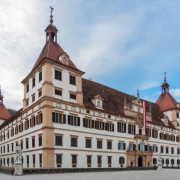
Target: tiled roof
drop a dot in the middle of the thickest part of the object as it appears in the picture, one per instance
(4, 114)
(113, 100)
(11, 118)
(166, 102)
(52, 51)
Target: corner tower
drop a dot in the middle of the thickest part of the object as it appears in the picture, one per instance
(168, 105)
(4, 114)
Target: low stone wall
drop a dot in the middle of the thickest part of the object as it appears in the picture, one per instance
(165, 167)
(75, 170)
(7, 170)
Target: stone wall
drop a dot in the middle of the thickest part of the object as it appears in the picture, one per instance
(75, 170)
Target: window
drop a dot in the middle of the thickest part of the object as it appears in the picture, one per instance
(155, 133)
(27, 87)
(177, 114)
(109, 159)
(12, 131)
(39, 119)
(27, 160)
(99, 158)
(33, 97)
(132, 147)
(73, 120)
(26, 124)
(121, 127)
(7, 147)
(58, 92)
(73, 96)
(172, 150)
(74, 159)
(109, 144)
(141, 147)
(172, 161)
(34, 160)
(131, 129)
(58, 140)
(167, 161)
(98, 104)
(27, 143)
(88, 123)
(162, 149)
(40, 76)
(109, 116)
(40, 92)
(99, 144)
(27, 102)
(21, 144)
(87, 111)
(178, 150)
(73, 141)
(121, 146)
(121, 160)
(40, 160)
(33, 141)
(72, 80)
(59, 159)
(109, 127)
(40, 140)
(33, 82)
(12, 147)
(58, 118)
(88, 159)
(154, 161)
(148, 132)
(88, 143)
(167, 150)
(58, 75)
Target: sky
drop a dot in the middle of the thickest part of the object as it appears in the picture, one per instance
(127, 45)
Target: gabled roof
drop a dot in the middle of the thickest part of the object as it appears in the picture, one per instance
(113, 100)
(4, 114)
(166, 102)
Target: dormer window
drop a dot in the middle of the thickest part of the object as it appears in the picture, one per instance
(97, 101)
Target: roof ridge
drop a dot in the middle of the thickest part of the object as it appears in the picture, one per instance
(117, 90)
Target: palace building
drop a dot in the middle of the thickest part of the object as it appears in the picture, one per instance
(71, 122)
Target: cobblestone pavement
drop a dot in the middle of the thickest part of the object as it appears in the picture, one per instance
(166, 174)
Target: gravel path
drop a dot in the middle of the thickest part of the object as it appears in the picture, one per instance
(166, 174)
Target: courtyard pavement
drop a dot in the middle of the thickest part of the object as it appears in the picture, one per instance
(166, 174)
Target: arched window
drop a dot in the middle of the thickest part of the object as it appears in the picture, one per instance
(12, 160)
(162, 161)
(178, 161)
(154, 161)
(172, 161)
(98, 104)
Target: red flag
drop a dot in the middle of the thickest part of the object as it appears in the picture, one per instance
(144, 115)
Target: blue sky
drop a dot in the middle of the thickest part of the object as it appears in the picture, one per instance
(127, 45)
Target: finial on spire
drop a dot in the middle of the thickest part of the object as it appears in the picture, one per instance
(51, 16)
(165, 77)
(138, 93)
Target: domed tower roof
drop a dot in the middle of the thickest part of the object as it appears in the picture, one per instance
(4, 114)
(166, 101)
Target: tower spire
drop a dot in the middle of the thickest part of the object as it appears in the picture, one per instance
(165, 77)
(138, 93)
(51, 16)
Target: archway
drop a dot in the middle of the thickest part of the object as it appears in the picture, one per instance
(140, 161)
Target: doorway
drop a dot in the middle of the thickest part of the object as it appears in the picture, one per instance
(140, 161)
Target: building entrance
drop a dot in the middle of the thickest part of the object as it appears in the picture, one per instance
(140, 161)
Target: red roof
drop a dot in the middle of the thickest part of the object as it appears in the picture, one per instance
(166, 102)
(4, 114)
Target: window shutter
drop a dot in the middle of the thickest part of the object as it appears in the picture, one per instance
(37, 119)
(118, 145)
(124, 146)
(92, 123)
(145, 147)
(105, 126)
(34, 119)
(118, 127)
(134, 147)
(53, 116)
(160, 135)
(30, 122)
(83, 122)
(64, 118)
(69, 119)
(139, 147)
(156, 149)
(102, 125)
(78, 121)
(124, 127)
(112, 127)
(95, 124)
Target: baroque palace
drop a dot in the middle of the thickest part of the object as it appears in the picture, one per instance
(71, 122)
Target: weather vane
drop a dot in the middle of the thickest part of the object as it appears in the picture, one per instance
(52, 9)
